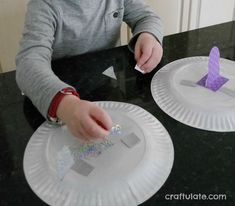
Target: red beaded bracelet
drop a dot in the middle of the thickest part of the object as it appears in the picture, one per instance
(56, 101)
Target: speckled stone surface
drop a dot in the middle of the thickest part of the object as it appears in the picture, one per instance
(204, 161)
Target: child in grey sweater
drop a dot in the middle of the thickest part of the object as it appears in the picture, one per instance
(58, 28)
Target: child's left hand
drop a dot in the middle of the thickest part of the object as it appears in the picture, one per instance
(148, 52)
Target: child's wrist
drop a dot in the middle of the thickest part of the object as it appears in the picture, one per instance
(53, 114)
(66, 107)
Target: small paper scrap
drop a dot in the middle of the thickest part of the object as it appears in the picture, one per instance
(138, 69)
(213, 80)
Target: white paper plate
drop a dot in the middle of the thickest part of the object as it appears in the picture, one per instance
(122, 176)
(195, 105)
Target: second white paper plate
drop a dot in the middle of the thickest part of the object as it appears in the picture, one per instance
(120, 176)
(175, 90)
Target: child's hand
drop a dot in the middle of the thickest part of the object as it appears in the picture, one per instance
(148, 52)
(84, 118)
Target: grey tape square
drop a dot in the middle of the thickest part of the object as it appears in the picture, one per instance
(227, 91)
(82, 167)
(130, 140)
(224, 90)
(188, 83)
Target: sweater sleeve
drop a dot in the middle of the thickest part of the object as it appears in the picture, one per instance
(34, 75)
(141, 18)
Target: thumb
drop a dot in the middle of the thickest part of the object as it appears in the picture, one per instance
(146, 52)
(137, 52)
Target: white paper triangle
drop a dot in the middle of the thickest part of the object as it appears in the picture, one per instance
(110, 73)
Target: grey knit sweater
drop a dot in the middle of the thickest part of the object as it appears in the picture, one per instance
(58, 28)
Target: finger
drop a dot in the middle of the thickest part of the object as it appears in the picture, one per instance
(101, 117)
(152, 62)
(137, 52)
(83, 135)
(94, 130)
(78, 131)
(81, 131)
(146, 54)
(85, 127)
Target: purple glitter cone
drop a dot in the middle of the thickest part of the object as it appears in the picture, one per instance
(213, 80)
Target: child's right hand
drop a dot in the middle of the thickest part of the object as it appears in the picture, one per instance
(83, 118)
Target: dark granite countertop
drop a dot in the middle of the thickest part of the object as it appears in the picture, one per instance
(204, 161)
